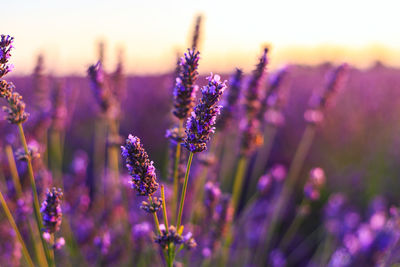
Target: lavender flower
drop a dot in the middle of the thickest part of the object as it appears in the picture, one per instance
(58, 108)
(40, 88)
(102, 93)
(196, 32)
(139, 166)
(5, 49)
(185, 90)
(200, 125)
(212, 194)
(314, 114)
(251, 136)
(152, 207)
(33, 152)
(272, 103)
(16, 106)
(51, 210)
(252, 95)
(167, 237)
(189, 242)
(231, 100)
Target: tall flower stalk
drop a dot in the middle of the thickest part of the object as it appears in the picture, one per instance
(313, 117)
(184, 96)
(199, 127)
(16, 115)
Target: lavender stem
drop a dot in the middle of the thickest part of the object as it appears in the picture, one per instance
(176, 166)
(18, 189)
(15, 228)
(35, 196)
(183, 194)
(291, 180)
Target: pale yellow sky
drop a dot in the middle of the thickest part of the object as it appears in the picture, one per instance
(151, 32)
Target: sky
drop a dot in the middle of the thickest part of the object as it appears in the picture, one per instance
(151, 33)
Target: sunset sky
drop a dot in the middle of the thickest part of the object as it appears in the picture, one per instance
(151, 32)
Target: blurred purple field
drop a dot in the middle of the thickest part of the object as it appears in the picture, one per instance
(300, 170)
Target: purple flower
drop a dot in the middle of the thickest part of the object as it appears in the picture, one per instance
(251, 137)
(185, 90)
(51, 210)
(318, 103)
(102, 93)
(5, 49)
(200, 125)
(231, 100)
(141, 169)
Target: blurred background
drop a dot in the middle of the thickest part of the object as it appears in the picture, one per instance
(150, 33)
(139, 42)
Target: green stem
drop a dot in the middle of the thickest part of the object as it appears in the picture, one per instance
(36, 206)
(294, 226)
(56, 157)
(157, 226)
(18, 188)
(13, 170)
(238, 182)
(176, 172)
(237, 191)
(263, 155)
(290, 182)
(164, 207)
(184, 188)
(14, 226)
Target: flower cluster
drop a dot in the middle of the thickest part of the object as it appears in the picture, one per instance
(318, 103)
(16, 106)
(185, 89)
(167, 237)
(153, 206)
(196, 32)
(251, 136)
(102, 93)
(252, 94)
(33, 152)
(141, 169)
(200, 124)
(272, 103)
(5, 49)
(231, 100)
(51, 210)
(173, 237)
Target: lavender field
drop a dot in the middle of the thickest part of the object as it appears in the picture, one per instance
(289, 166)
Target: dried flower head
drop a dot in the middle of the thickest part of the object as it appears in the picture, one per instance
(185, 89)
(153, 206)
(200, 124)
(141, 169)
(51, 210)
